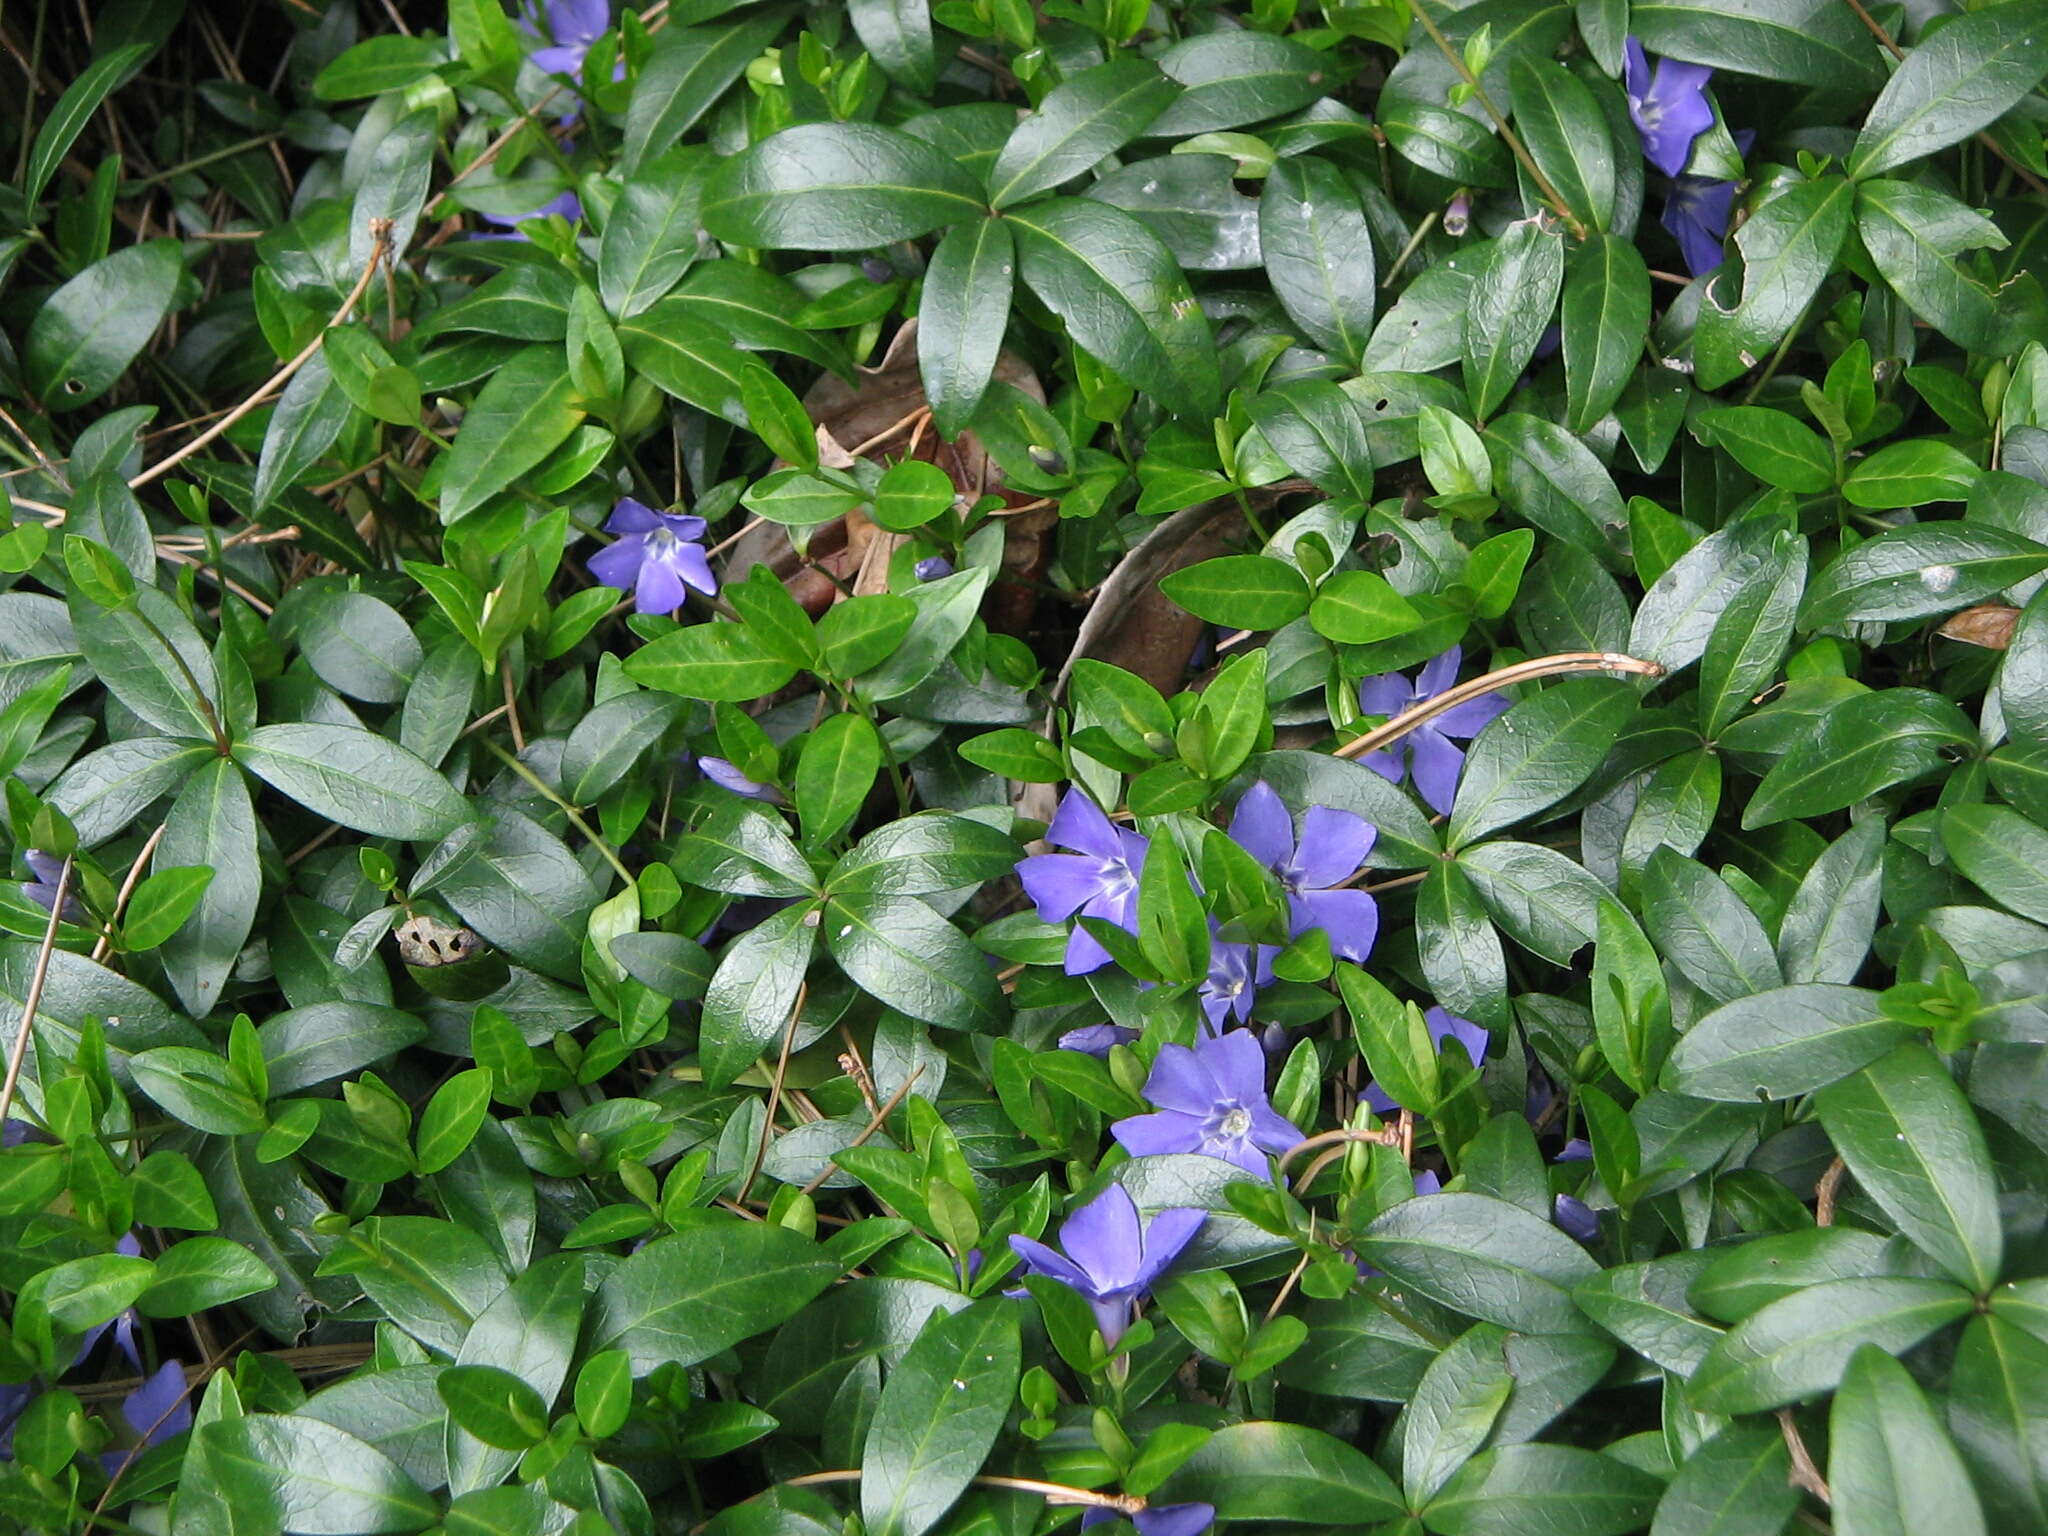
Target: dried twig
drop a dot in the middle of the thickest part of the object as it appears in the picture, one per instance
(1505, 677)
(34, 1000)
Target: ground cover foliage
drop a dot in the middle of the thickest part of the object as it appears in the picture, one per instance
(970, 767)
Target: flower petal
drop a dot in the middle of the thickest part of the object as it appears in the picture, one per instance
(160, 1407)
(1060, 883)
(1445, 1025)
(1151, 1135)
(1635, 70)
(1262, 827)
(1350, 918)
(1439, 672)
(690, 564)
(1272, 1130)
(1183, 1080)
(1387, 694)
(1333, 844)
(1041, 1260)
(1235, 1066)
(659, 589)
(1437, 765)
(1175, 1520)
(1079, 823)
(1096, 1039)
(1171, 1230)
(618, 565)
(1104, 1237)
(1085, 952)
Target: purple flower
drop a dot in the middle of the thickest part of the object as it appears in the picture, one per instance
(1427, 1182)
(1332, 846)
(1212, 1101)
(1168, 1520)
(1443, 1025)
(1433, 762)
(656, 556)
(1669, 106)
(1096, 1039)
(1236, 972)
(1697, 211)
(48, 870)
(1112, 1257)
(568, 205)
(1101, 880)
(158, 1409)
(932, 568)
(1576, 1219)
(1577, 1150)
(572, 26)
(726, 776)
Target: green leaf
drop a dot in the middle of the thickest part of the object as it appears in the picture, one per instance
(1544, 1490)
(1892, 1467)
(1483, 1257)
(74, 109)
(1537, 753)
(1867, 742)
(834, 773)
(203, 1272)
(1911, 473)
(1173, 930)
(1777, 1044)
(923, 854)
(1320, 433)
(1825, 933)
(1458, 949)
(1789, 244)
(712, 662)
(912, 492)
(523, 413)
(1738, 1484)
(449, 1122)
(1644, 1305)
(687, 71)
(1453, 1411)
(837, 187)
(1553, 480)
(938, 1418)
(1266, 1470)
(1406, 838)
(899, 950)
(1961, 77)
(1604, 321)
(354, 777)
(212, 825)
(1512, 301)
(85, 335)
(378, 64)
(1750, 633)
(291, 1472)
(1705, 929)
(1544, 901)
(1123, 298)
(1800, 1345)
(1235, 76)
(322, 1041)
(394, 187)
(943, 613)
(1243, 591)
(2002, 852)
(1087, 116)
(1920, 240)
(1773, 446)
(682, 1299)
(961, 318)
(1996, 1410)
(898, 36)
(650, 237)
(493, 1405)
(1359, 607)
(754, 992)
(161, 904)
(1566, 134)
(522, 889)
(1912, 1142)
(1318, 254)
(1929, 568)
(1805, 42)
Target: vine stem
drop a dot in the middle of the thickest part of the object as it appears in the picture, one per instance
(1505, 677)
(1052, 1493)
(380, 236)
(34, 1000)
(134, 877)
(539, 786)
(1508, 136)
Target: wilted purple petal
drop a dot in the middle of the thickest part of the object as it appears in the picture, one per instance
(1096, 1039)
(726, 776)
(1576, 1219)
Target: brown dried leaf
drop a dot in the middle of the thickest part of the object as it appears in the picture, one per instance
(1988, 624)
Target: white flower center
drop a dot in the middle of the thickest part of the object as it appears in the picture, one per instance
(1236, 1125)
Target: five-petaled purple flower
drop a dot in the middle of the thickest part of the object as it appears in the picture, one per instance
(1168, 1520)
(726, 776)
(1101, 880)
(1443, 1025)
(1668, 105)
(656, 556)
(1212, 1100)
(1332, 845)
(1112, 1255)
(1427, 751)
(1573, 1216)
(1236, 972)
